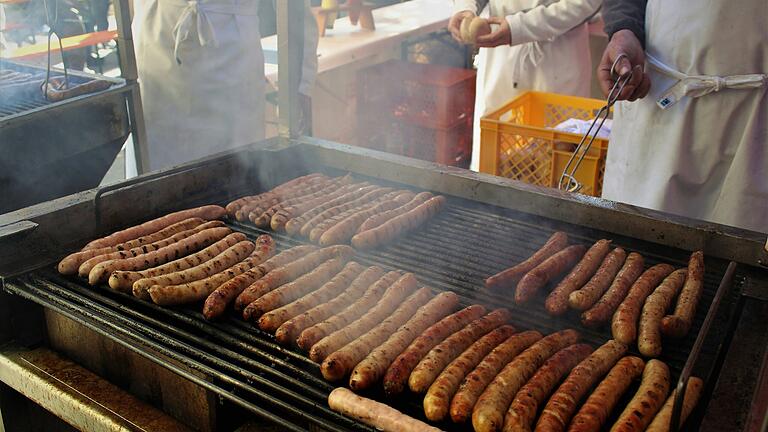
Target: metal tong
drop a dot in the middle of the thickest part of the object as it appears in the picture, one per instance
(568, 180)
(53, 26)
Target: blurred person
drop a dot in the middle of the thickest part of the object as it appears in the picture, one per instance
(692, 137)
(201, 71)
(540, 45)
(99, 14)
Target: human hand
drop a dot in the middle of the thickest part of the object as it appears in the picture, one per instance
(624, 44)
(454, 24)
(501, 36)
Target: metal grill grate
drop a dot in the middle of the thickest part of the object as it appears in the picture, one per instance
(30, 97)
(456, 251)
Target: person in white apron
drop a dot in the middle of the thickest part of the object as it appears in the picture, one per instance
(201, 72)
(547, 50)
(697, 145)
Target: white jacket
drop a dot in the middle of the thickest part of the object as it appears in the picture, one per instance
(549, 52)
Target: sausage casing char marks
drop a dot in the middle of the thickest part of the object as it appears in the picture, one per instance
(509, 277)
(396, 376)
(595, 411)
(603, 310)
(564, 401)
(491, 407)
(438, 398)
(548, 270)
(557, 301)
(294, 226)
(376, 414)
(639, 412)
(522, 411)
(661, 422)
(656, 305)
(376, 220)
(586, 297)
(679, 323)
(472, 387)
(437, 359)
(624, 323)
(372, 368)
(398, 225)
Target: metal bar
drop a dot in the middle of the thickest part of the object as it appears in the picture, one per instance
(682, 382)
(290, 44)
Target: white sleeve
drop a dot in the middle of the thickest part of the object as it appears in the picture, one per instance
(309, 63)
(548, 22)
(464, 5)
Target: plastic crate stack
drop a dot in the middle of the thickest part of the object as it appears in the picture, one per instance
(417, 110)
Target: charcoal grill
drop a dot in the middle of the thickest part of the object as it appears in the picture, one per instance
(489, 224)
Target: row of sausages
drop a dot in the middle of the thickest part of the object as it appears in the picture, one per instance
(607, 284)
(340, 210)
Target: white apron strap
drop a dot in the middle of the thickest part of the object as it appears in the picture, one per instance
(700, 85)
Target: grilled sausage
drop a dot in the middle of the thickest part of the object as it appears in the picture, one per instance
(200, 289)
(343, 231)
(318, 309)
(101, 272)
(224, 260)
(235, 205)
(437, 359)
(372, 368)
(289, 272)
(586, 297)
(282, 216)
(312, 335)
(398, 225)
(661, 423)
(272, 320)
(525, 405)
(294, 290)
(322, 227)
(209, 212)
(647, 401)
(603, 310)
(549, 269)
(310, 192)
(224, 293)
(70, 264)
(598, 406)
(371, 193)
(395, 294)
(678, 324)
(492, 405)
(376, 414)
(340, 363)
(438, 398)
(293, 226)
(624, 324)
(376, 220)
(85, 268)
(123, 280)
(557, 301)
(476, 381)
(396, 376)
(511, 276)
(656, 305)
(564, 402)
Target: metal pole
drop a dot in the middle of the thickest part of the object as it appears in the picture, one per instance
(130, 73)
(290, 44)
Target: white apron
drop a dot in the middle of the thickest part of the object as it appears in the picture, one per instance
(704, 157)
(201, 71)
(560, 64)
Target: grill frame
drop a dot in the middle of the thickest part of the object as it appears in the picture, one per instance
(266, 158)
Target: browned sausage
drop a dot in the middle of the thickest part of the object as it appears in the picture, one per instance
(603, 310)
(598, 406)
(525, 405)
(293, 226)
(376, 220)
(548, 270)
(396, 377)
(511, 276)
(286, 213)
(586, 297)
(378, 415)
(624, 323)
(343, 231)
(398, 225)
(235, 205)
(557, 301)
(437, 359)
(371, 193)
(564, 402)
(661, 423)
(438, 398)
(639, 412)
(649, 335)
(476, 381)
(678, 324)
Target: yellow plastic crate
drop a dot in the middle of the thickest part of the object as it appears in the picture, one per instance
(517, 141)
